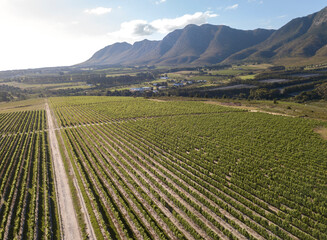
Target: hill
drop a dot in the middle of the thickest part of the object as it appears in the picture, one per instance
(302, 40)
(205, 44)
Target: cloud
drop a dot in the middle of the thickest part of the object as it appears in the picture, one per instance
(144, 29)
(160, 1)
(166, 25)
(256, 1)
(135, 30)
(282, 16)
(98, 11)
(235, 6)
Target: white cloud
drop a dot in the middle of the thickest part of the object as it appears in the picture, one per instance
(98, 11)
(235, 6)
(136, 29)
(166, 25)
(256, 1)
(282, 16)
(160, 1)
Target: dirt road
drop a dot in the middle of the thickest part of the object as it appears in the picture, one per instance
(69, 223)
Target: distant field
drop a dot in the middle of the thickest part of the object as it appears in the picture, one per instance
(104, 109)
(120, 74)
(190, 170)
(25, 105)
(257, 66)
(232, 71)
(245, 77)
(317, 110)
(48, 86)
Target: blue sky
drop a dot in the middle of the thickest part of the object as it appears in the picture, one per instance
(43, 33)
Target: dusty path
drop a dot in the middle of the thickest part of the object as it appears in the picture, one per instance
(250, 109)
(69, 223)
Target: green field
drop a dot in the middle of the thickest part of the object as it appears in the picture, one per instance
(191, 170)
(168, 168)
(53, 86)
(26, 105)
(28, 207)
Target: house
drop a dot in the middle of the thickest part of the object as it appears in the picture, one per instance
(136, 90)
(141, 89)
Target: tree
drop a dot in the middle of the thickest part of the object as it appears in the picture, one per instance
(322, 90)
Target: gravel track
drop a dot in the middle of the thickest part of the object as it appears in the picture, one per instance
(68, 223)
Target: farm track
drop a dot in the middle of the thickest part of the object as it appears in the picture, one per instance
(87, 219)
(69, 223)
(250, 109)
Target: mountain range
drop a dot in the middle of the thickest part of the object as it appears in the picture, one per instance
(302, 40)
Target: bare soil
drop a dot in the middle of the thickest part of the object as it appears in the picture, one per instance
(69, 223)
(157, 100)
(240, 106)
(322, 131)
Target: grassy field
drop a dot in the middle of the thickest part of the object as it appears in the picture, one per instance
(46, 86)
(315, 110)
(25, 105)
(246, 77)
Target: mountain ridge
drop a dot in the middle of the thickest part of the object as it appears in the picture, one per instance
(303, 38)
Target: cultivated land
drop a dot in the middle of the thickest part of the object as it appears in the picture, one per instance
(28, 207)
(26, 105)
(168, 168)
(191, 170)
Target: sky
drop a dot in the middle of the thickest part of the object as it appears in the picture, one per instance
(48, 33)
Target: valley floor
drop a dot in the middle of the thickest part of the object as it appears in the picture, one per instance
(133, 168)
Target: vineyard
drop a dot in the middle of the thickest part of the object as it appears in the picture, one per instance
(189, 170)
(28, 208)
